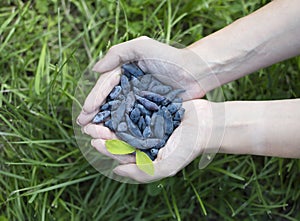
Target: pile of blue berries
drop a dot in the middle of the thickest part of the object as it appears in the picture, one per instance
(141, 110)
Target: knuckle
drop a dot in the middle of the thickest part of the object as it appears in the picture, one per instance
(113, 50)
(143, 37)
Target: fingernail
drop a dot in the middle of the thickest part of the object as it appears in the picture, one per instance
(94, 69)
(86, 130)
(96, 66)
(93, 142)
(77, 121)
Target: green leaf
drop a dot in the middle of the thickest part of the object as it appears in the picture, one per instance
(144, 163)
(119, 147)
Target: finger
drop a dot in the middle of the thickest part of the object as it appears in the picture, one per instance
(119, 54)
(99, 144)
(188, 133)
(84, 118)
(161, 170)
(99, 132)
(133, 172)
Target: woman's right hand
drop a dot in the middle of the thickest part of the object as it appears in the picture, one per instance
(188, 141)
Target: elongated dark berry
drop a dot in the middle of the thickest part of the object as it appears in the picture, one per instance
(133, 69)
(117, 115)
(156, 98)
(135, 115)
(109, 124)
(111, 105)
(174, 107)
(161, 89)
(169, 127)
(147, 132)
(146, 103)
(115, 92)
(101, 116)
(179, 114)
(134, 130)
(122, 127)
(125, 84)
(147, 120)
(145, 81)
(141, 124)
(143, 110)
(130, 99)
(154, 152)
(171, 95)
(159, 125)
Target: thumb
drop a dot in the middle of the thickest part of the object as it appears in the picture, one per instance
(119, 54)
(132, 171)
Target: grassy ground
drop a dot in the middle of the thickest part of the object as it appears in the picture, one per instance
(45, 46)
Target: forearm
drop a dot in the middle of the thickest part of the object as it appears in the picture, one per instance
(269, 35)
(269, 128)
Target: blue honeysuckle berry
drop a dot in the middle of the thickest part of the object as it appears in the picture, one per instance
(101, 116)
(147, 132)
(141, 123)
(135, 115)
(179, 114)
(115, 92)
(133, 69)
(109, 124)
(154, 151)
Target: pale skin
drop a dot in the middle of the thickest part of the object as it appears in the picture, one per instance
(268, 128)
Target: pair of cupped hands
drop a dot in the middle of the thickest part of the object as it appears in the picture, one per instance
(172, 66)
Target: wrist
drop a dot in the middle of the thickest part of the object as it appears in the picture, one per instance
(201, 68)
(211, 117)
(243, 127)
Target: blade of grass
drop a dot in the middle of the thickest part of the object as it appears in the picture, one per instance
(234, 176)
(175, 207)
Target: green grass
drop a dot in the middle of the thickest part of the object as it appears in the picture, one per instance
(45, 47)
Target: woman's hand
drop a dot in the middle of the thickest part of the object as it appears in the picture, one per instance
(185, 144)
(180, 68)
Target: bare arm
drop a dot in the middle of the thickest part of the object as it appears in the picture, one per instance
(270, 128)
(269, 35)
